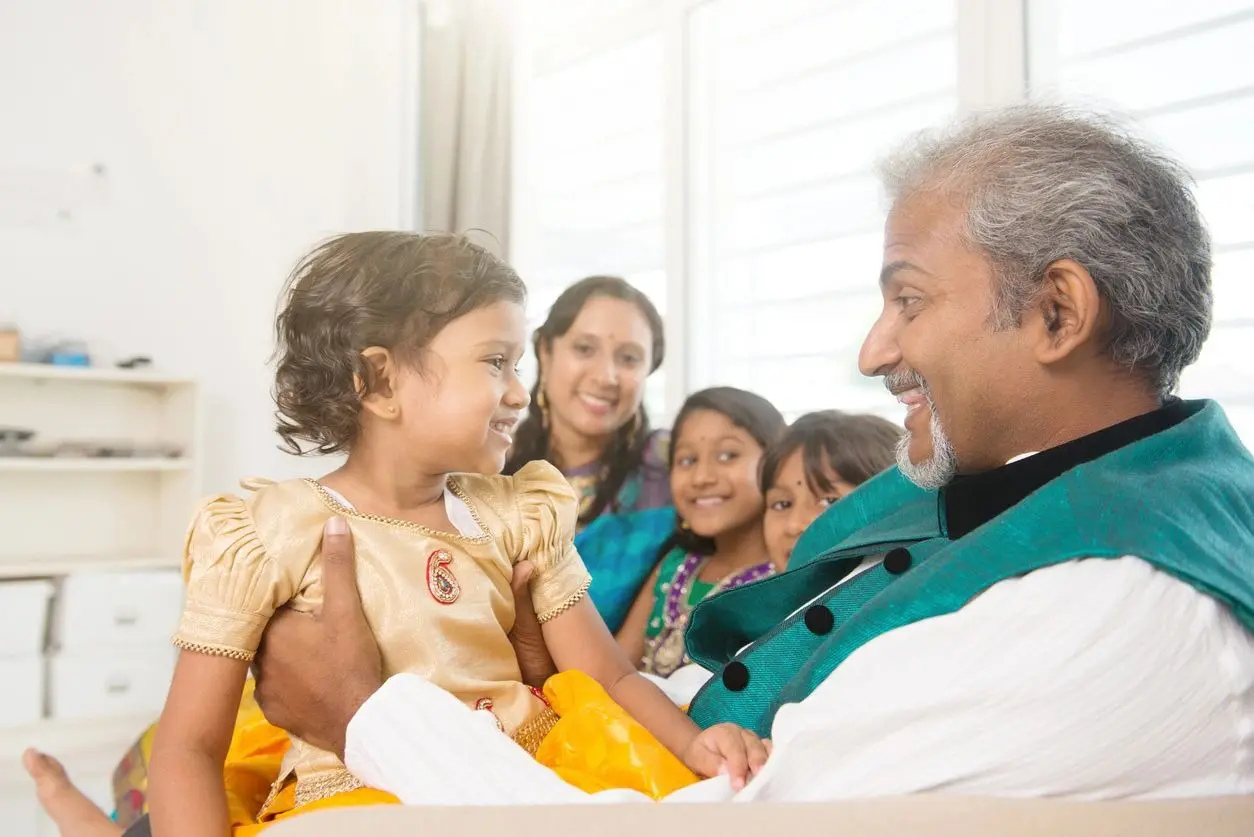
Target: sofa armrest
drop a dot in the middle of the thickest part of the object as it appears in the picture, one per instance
(919, 816)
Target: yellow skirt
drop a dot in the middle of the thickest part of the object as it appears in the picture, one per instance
(595, 745)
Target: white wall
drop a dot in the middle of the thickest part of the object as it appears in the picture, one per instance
(234, 134)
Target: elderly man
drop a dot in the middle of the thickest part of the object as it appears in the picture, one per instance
(1052, 595)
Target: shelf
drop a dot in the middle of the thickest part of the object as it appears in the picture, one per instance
(66, 564)
(88, 374)
(59, 464)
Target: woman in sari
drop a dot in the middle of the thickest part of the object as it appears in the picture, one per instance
(597, 347)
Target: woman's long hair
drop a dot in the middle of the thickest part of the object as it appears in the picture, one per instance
(625, 452)
(748, 411)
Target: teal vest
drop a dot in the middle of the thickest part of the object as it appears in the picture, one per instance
(1181, 499)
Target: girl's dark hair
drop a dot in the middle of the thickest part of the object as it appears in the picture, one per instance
(857, 447)
(625, 452)
(396, 290)
(748, 411)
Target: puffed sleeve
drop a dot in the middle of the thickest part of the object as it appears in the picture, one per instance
(548, 511)
(233, 586)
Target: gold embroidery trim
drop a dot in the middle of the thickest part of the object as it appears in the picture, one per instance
(311, 789)
(574, 599)
(533, 732)
(323, 785)
(275, 787)
(341, 509)
(214, 650)
(461, 494)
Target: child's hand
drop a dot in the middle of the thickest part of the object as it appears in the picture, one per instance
(726, 748)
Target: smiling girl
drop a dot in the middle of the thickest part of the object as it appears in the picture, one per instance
(399, 350)
(821, 458)
(719, 439)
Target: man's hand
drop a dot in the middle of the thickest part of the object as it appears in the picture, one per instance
(726, 748)
(528, 637)
(314, 672)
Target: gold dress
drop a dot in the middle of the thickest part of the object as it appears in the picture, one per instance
(439, 604)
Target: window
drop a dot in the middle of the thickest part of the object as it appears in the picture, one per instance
(719, 154)
(592, 172)
(790, 104)
(1183, 71)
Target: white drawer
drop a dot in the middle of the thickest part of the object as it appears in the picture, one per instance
(24, 617)
(117, 610)
(109, 683)
(21, 690)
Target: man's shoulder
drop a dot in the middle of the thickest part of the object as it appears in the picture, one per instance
(887, 496)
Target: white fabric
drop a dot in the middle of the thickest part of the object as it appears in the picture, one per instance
(458, 512)
(1092, 679)
(467, 119)
(460, 516)
(683, 684)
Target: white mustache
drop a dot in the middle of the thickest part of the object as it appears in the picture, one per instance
(905, 379)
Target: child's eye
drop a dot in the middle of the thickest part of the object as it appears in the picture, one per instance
(829, 501)
(685, 461)
(781, 505)
(498, 363)
(727, 456)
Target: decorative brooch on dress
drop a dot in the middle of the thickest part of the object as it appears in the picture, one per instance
(441, 582)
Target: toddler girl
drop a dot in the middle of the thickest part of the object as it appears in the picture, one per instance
(399, 350)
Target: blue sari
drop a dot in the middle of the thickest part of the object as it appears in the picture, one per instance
(620, 550)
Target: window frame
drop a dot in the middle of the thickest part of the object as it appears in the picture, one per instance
(995, 63)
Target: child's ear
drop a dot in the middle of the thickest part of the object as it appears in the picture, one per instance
(378, 394)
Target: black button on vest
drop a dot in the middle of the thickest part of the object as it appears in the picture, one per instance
(735, 676)
(898, 560)
(819, 620)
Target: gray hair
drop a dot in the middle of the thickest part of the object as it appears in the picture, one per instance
(1042, 183)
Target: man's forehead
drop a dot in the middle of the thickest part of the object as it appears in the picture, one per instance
(921, 217)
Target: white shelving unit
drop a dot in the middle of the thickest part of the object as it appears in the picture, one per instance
(65, 517)
(81, 513)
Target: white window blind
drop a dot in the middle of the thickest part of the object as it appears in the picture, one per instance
(1185, 72)
(592, 157)
(790, 103)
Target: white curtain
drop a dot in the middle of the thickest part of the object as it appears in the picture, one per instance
(467, 119)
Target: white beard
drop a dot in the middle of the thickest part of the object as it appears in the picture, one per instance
(938, 469)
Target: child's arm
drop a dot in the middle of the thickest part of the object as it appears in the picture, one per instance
(578, 639)
(631, 635)
(187, 791)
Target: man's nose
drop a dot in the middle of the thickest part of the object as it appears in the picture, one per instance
(880, 353)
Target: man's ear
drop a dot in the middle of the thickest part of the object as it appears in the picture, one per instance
(378, 395)
(1068, 313)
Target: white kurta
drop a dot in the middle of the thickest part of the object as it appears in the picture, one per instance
(1092, 679)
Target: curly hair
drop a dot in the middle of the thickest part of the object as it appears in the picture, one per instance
(396, 290)
(625, 452)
